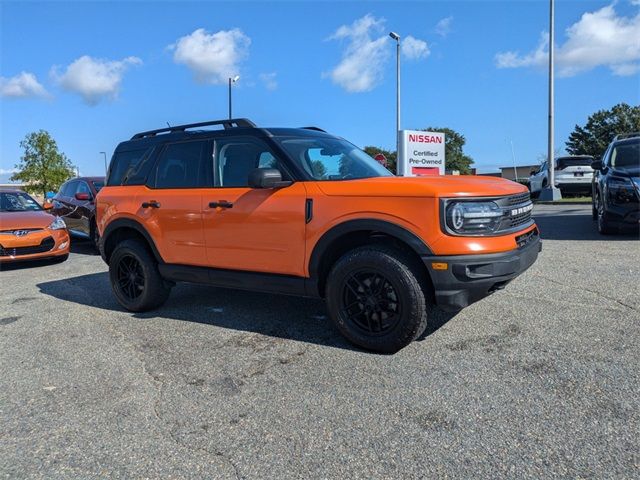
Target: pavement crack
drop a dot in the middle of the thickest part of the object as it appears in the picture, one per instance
(615, 300)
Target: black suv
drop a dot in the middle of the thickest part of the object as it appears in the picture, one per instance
(616, 185)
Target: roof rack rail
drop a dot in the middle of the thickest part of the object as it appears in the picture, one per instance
(620, 136)
(317, 129)
(228, 123)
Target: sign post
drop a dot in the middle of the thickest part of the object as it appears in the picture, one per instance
(421, 153)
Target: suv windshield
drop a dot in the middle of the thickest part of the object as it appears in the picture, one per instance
(626, 154)
(17, 202)
(326, 158)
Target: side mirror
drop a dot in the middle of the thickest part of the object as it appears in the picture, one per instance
(597, 165)
(267, 178)
(82, 196)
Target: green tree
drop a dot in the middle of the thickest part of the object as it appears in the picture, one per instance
(391, 156)
(455, 158)
(42, 167)
(594, 138)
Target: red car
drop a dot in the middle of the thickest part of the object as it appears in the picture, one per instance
(75, 204)
(27, 231)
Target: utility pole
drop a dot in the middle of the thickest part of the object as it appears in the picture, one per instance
(105, 162)
(551, 192)
(231, 81)
(513, 156)
(396, 37)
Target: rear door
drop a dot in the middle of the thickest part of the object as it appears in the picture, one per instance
(171, 202)
(258, 230)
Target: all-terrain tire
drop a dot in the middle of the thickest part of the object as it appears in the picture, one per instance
(604, 225)
(135, 279)
(377, 298)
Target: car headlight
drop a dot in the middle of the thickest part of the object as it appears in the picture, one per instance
(621, 190)
(473, 218)
(57, 224)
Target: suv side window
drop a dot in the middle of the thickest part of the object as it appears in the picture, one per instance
(181, 165)
(236, 157)
(123, 162)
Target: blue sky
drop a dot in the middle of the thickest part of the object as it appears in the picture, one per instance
(94, 73)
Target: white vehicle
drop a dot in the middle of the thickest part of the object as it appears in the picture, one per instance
(572, 175)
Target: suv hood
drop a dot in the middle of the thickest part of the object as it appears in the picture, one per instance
(631, 171)
(436, 186)
(18, 220)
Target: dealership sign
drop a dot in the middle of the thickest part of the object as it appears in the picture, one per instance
(421, 153)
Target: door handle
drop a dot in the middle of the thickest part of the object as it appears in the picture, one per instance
(221, 204)
(152, 204)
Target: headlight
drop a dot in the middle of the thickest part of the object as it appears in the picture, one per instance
(472, 217)
(57, 224)
(621, 190)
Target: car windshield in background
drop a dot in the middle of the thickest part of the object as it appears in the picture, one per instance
(17, 202)
(564, 162)
(97, 185)
(325, 158)
(626, 155)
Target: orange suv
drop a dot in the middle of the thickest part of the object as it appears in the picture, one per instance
(299, 211)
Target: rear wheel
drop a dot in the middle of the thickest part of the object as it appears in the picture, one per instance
(376, 298)
(135, 279)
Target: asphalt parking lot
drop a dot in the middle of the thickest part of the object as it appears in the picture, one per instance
(539, 380)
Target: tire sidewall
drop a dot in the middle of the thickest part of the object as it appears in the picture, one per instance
(153, 288)
(410, 295)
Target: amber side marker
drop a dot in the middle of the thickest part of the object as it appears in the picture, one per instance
(439, 265)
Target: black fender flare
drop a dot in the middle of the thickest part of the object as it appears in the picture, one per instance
(351, 226)
(132, 224)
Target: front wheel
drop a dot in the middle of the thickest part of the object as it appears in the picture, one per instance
(604, 226)
(376, 298)
(135, 279)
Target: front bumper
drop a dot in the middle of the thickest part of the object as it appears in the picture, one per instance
(36, 246)
(469, 278)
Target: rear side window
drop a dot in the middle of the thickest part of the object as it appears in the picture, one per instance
(565, 162)
(181, 165)
(124, 164)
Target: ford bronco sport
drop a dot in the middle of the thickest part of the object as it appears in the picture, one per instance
(298, 211)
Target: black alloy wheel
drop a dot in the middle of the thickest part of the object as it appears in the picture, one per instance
(371, 302)
(131, 280)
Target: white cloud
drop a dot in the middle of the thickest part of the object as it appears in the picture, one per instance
(600, 38)
(213, 57)
(8, 171)
(270, 80)
(362, 65)
(635, 3)
(94, 79)
(414, 49)
(20, 86)
(443, 27)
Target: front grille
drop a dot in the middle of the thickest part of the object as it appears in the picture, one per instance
(46, 245)
(517, 199)
(526, 238)
(516, 212)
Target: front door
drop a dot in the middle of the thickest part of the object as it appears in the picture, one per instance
(249, 229)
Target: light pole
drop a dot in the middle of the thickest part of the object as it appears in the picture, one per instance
(513, 156)
(232, 80)
(105, 162)
(396, 37)
(551, 192)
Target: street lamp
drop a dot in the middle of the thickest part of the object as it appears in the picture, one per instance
(232, 80)
(396, 37)
(105, 162)
(551, 192)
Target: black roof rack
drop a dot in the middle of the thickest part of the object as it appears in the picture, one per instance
(318, 129)
(228, 123)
